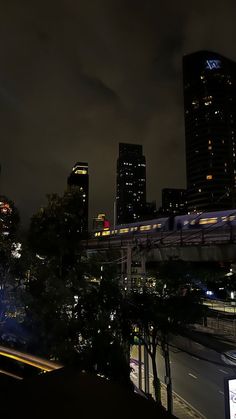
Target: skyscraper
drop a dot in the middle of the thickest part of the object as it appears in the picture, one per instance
(78, 181)
(131, 183)
(174, 201)
(210, 130)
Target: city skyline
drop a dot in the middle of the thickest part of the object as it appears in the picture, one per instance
(61, 103)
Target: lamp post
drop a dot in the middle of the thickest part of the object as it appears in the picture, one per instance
(115, 212)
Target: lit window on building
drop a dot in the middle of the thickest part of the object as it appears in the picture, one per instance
(209, 177)
(81, 172)
(195, 104)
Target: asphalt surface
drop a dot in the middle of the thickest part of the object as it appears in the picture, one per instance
(198, 374)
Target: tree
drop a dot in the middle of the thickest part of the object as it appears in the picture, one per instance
(102, 329)
(56, 229)
(180, 275)
(72, 318)
(11, 273)
(155, 318)
(55, 274)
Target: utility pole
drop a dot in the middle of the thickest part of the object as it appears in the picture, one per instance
(139, 363)
(168, 382)
(146, 367)
(143, 268)
(123, 270)
(129, 266)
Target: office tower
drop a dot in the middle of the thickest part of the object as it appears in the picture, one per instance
(174, 201)
(131, 184)
(150, 211)
(210, 130)
(78, 181)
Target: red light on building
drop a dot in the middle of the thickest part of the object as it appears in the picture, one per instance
(106, 224)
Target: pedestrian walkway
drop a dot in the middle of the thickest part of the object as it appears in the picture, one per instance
(181, 408)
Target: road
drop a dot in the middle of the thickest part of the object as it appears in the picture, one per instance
(198, 375)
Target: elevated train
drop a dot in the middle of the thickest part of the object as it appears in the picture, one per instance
(186, 222)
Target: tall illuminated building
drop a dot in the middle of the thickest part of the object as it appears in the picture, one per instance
(174, 201)
(210, 130)
(131, 183)
(78, 181)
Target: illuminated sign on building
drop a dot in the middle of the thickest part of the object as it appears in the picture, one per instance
(213, 64)
(230, 398)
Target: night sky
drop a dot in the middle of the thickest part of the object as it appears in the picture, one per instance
(78, 77)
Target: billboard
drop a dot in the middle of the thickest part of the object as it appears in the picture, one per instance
(230, 398)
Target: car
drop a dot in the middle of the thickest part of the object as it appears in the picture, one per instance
(229, 357)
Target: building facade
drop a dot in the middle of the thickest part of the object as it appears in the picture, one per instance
(174, 201)
(210, 130)
(100, 222)
(78, 181)
(131, 184)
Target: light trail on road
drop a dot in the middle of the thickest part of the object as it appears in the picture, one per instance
(28, 359)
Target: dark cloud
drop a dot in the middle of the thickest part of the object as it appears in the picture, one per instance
(77, 77)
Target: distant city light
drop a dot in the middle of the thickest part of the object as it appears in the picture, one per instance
(16, 250)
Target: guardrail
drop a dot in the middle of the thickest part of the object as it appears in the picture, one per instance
(201, 236)
(221, 306)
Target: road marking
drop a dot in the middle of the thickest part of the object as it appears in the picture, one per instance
(194, 357)
(191, 375)
(225, 372)
(221, 392)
